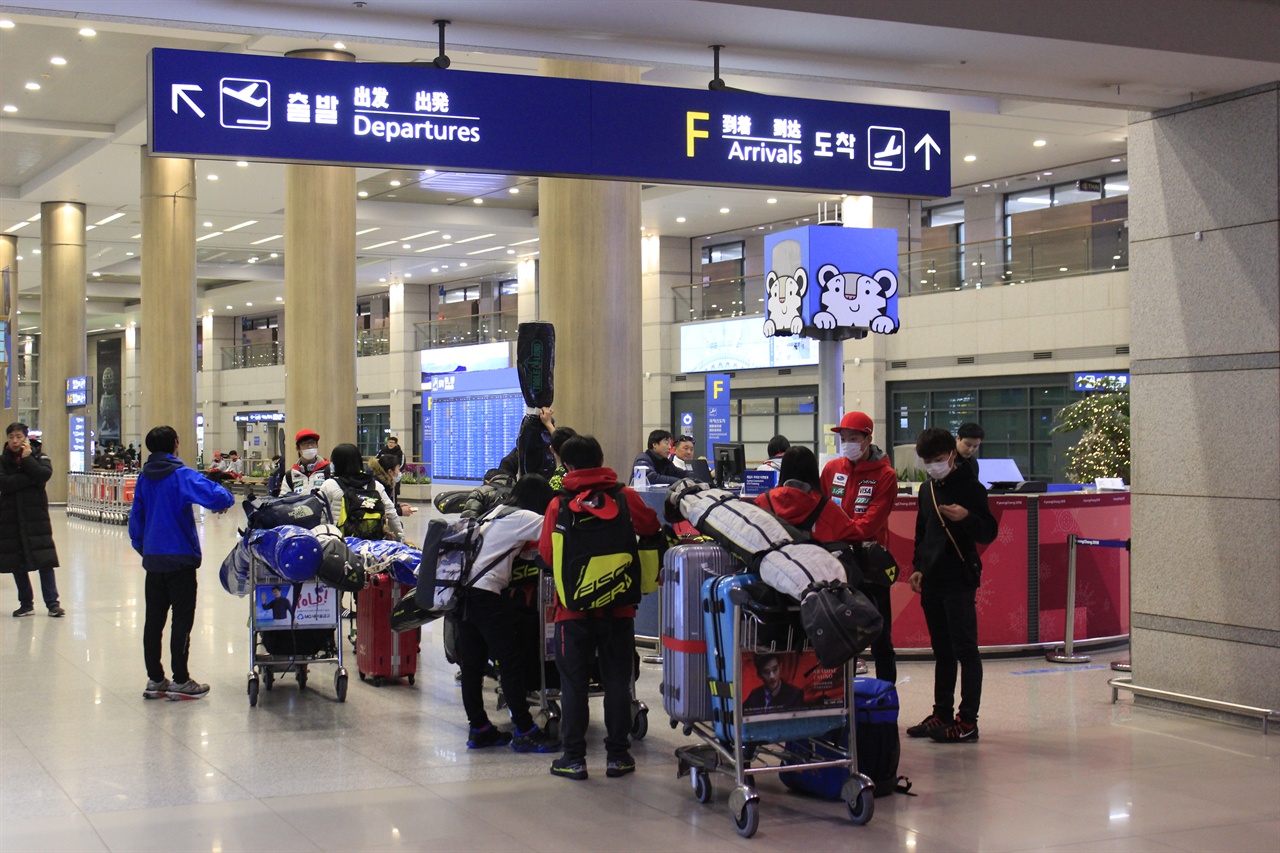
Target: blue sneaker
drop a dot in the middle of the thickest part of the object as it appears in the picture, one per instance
(490, 735)
(534, 740)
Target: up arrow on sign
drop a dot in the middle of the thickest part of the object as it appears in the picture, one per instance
(180, 91)
(926, 142)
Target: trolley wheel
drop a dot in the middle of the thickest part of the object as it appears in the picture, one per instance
(302, 678)
(553, 710)
(702, 791)
(377, 681)
(552, 727)
(861, 807)
(340, 685)
(253, 692)
(749, 820)
(268, 678)
(361, 674)
(640, 724)
(410, 678)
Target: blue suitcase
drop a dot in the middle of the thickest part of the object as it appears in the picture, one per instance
(810, 698)
(876, 732)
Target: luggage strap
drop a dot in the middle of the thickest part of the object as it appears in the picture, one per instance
(690, 647)
(721, 689)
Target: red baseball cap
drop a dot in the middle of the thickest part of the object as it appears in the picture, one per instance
(306, 435)
(855, 420)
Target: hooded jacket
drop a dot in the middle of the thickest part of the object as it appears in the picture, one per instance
(333, 491)
(26, 535)
(660, 468)
(162, 527)
(795, 500)
(935, 557)
(865, 490)
(643, 519)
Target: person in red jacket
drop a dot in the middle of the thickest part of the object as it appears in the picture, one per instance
(865, 484)
(608, 632)
(799, 500)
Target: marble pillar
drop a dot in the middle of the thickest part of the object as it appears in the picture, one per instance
(62, 328)
(9, 377)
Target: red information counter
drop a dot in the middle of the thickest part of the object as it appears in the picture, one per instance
(1022, 600)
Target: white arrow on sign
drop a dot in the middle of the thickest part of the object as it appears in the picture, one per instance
(180, 91)
(926, 142)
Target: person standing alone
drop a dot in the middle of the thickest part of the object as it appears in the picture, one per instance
(26, 534)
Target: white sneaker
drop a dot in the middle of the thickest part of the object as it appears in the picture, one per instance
(157, 689)
(189, 690)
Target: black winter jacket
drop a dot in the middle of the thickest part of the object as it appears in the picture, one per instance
(935, 556)
(26, 535)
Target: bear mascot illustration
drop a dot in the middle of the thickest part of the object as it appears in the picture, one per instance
(785, 298)
(856, 300)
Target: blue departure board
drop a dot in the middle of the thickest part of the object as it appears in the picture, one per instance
(470, 435)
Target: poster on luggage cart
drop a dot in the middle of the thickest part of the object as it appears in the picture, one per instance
(299, 605)
(778, 685)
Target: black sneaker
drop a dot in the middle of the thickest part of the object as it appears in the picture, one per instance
(957, 732)
(24, 610)
(534, 740)
(620, 766)
(569, 768)
(56, 611)
(929, 724)
(490, 735)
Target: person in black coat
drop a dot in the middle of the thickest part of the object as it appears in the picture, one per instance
(26, 534)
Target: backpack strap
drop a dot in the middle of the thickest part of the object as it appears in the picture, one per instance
(812, 518)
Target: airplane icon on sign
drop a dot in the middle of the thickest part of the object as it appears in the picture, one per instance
(245, 94)
(242, 106)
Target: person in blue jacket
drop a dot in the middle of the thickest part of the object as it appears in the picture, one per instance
(162, 529)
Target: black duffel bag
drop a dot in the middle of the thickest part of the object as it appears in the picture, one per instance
(306, 509)
(839, 621)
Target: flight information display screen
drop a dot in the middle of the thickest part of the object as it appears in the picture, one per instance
(471, 434)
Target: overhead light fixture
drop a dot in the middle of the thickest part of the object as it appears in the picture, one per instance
(33, 86)
(211, 234)
(10, 108)
(96, 273)
(266, 239)
(432, 248)
(137, 236)
(1047, 173)
(35, 251)
(525, 242)
(482, 251)
(337, 45)
(88, 32)
(367, 231)
(462, 263)
(213, 177)
(446, 237)
(274, 255)
(514, 191)
(511, 251)
(35, 218)
(382, 280)
(680, 219)
(231, 308)
(377, 245)
(435, 269)
(279, 299)
(362, 194)
(6, 24)
(770, 201)
(469, 239)
(244, 224)
(207, 224)
(477, 201)
(405, 246)
(253, 260)
(112, 218)
(23, 224)
(1115, 159)
(395, 183)
(969, 158)
(57, 60)
(1040, 143)
(724, 210)
(408, 275)
(419, 234)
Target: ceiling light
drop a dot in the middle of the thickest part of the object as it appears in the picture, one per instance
(405, 246)
(266, 240)
(514, 191)
(247, 222)
(6, 24)
(431, 248)
(525, 242)
(88, 32)
(367, 231)
(446, 237)
(35, 251)
(208, 236)
(90, 227)
(462, 263)
(469, 239)
(10, 108)
(213, 177)
(1048, 173)
(382, 280)
(377, 245)
(57, 60)
(208, 224)
(231, 308)
(248, 305)
(1040, 143)
(35, 218)
(986, 185)
(23, 224)
(482, 251)
(112, 218)
(511, 251)
(1115, 159)
(337, 45)
(253, 260)
(395, 183)
(435, 269)
(33, 86)
(679, 219)
(362, 194)
(724, 210)
(279, 299)
(477, 201)
(969, 158)
(408, 275)
(137, 236)
(419, 234)
(274, 255)
(1116, 187)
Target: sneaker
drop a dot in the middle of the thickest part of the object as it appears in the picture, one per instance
(620, 766)
(534, 740)
(929, 724)
(56, 611)
(860, 668)
(24, 610)
(569, 768)
(157, 689)
(490, 735)
(187, 690)
(957, 732)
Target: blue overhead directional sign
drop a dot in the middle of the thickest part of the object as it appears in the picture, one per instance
(281, 109)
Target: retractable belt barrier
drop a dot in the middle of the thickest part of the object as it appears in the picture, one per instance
(105, 496)
(1067, 653)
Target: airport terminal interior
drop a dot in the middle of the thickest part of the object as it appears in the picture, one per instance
(1112, 214)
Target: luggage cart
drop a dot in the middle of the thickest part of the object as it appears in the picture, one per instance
(547, 699)
(757, 746)
(309, 607)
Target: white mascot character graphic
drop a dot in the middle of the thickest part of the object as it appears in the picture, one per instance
(857, 300)
(786, 296)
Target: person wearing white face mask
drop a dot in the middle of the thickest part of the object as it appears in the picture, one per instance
(311, 469)
(952, 519)
(865, 486)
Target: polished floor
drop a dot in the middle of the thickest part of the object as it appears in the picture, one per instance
(87, 764)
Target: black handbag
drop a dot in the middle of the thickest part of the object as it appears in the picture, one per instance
(971, 571)
(839, 621)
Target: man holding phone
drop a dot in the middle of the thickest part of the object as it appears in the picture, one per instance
(26, 534)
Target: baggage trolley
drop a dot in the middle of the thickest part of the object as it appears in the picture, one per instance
(547, 699)
(776, 742)
(293, 629)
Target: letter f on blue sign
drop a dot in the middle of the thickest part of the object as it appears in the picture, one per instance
(717, 387)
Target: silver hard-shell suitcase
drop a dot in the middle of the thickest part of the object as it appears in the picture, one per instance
(686, 696)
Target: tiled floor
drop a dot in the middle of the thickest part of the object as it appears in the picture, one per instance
(87, 764)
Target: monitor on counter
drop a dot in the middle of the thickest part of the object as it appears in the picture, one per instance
(731, 462)
(991, 471)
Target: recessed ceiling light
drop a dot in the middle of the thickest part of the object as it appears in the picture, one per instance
(243, 164)
(405, 246)
(511, 251)
(57, 60)
(1040, 143)
(1048, 173)
(10, 108)
(986, 185)
(526, 242)
(969, 158)
(96, 273)
(112, 218)
(244, 224)
(367, 231)
(435, 269)
(724, 210)
(395, 183)
(514, 191)
(1115, 159)
(462, 263)
(209, 236)
(253, 260)
(6, 24)
(362, 194)
(35, 251)
(207, 224)
(88, 32)
(266, 240)
(416, 236)
(33, 86)
(274, 255)
(118, 326)
(679, 219)
(231, 308)
(337, 45)
(377, 245)
(446, 237)
(279, 299)
(408, 275)
(213, 177)
(382, 280)
(770, 201)
(477, 201)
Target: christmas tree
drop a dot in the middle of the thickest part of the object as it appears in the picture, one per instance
(1103, 449)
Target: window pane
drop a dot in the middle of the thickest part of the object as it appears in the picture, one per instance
(1058, 395)
(755, 453)
(1006, 424)
(1004, 398)
(758, 428)
(947, 214)
(1041, 461)
(796, 405)
(1025, 201)
(758, 405)
(913, 399)
(798, 429)
(907, 425)
(1116, 185)
(1068, 194)
(956, 401)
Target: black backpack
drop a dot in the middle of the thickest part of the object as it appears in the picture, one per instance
(362, 514)
(596, 561)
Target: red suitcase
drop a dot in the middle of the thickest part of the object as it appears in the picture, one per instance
(380, 652)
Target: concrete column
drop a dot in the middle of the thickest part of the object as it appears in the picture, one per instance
(62, 341)
(216, 332)
(665, 264)
(168, 362)
(527, 285)
(9, 377)
(1205, 324)
(130, 395)
(410, 305)
(320, 295)
(590, 275)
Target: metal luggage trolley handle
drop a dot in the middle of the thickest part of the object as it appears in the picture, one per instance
(265, 666)
(763, 629)
(101, 496)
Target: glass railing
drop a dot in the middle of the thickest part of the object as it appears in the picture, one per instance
(253, 355)
(373, 342)
(1059, 253)
(473, 329)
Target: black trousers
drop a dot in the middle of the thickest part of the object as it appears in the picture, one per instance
(492, 627)
(882, 648)
(48, 588)
(613, 641)
(167, 591)
(952, 618)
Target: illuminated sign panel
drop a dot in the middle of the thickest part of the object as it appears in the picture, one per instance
(77, 391)
(240, 106)
(739, 344)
